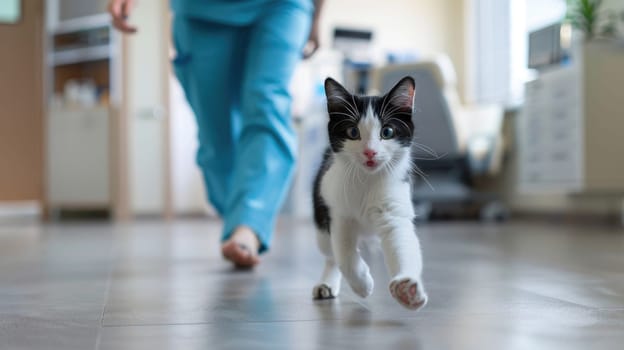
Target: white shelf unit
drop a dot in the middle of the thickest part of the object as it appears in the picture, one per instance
(81, 46)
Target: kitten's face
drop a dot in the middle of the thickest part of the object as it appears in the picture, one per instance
(370, 132)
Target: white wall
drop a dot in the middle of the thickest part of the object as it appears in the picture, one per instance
(188, 192)
(430, 26)
(145, 89)
(617, 6)
(541, 13)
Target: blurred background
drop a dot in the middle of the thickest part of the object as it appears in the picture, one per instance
(518, 108)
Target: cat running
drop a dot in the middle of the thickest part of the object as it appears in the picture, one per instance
(363, 189)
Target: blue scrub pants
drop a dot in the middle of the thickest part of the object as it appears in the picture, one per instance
(236, 80)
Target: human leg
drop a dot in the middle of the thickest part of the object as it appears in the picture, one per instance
(207, 65)
(266, 147)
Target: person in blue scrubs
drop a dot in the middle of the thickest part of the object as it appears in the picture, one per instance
(234, 60)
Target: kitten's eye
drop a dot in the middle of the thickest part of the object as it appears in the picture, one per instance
(353, 133)
(387, 132)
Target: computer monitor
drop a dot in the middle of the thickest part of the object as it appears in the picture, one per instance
(549, 46)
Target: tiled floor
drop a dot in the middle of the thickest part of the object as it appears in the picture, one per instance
(155, 285)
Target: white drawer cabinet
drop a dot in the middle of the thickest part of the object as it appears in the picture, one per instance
(550, 141)
(570, 129)
(78, 158)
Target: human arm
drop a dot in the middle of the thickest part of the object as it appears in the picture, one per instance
(313, 39)
(120, 11)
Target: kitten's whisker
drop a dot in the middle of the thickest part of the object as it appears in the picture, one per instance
(429, 150)
(386, 103)
(388, 165)
(351, 117)
(425, 147)
(422, 175)
(393, 110)
(383, 105)
(390, 115)
(354, 104)
(353, 109)
(349, 174)
(347, 108)
(400, 121)
(358, 175)
(417, 170)
(335, 126)
(426, 158)
(392, 168)
(344, 184)
(394, 98)
(355, 174)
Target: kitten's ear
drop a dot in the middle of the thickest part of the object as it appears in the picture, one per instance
(336, 94)
(402, 94)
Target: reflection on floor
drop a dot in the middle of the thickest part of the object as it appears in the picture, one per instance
(155, 285)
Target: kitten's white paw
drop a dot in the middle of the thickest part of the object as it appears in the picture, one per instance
(363, 286)
(408, 292)
(323, 291)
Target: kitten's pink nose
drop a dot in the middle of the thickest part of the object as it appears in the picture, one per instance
(369, 153)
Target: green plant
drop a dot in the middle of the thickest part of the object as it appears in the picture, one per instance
(587, 16)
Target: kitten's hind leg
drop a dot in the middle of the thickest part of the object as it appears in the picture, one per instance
(329, 285)
(344, 241)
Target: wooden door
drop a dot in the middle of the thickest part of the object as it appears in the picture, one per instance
(21, 101)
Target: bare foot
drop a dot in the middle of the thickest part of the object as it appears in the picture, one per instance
(242, 248)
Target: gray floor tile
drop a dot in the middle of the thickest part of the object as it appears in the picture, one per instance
(157, 285)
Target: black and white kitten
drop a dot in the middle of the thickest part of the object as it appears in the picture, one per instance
(363, 189)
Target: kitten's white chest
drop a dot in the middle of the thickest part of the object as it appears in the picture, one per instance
(345, 195)
(358, 198)
(367, 199)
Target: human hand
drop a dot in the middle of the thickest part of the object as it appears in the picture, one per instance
(120, 11)
(313, 41)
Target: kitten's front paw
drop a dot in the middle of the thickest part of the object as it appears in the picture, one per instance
(323, 291)
(363, 286)
(408, 292)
